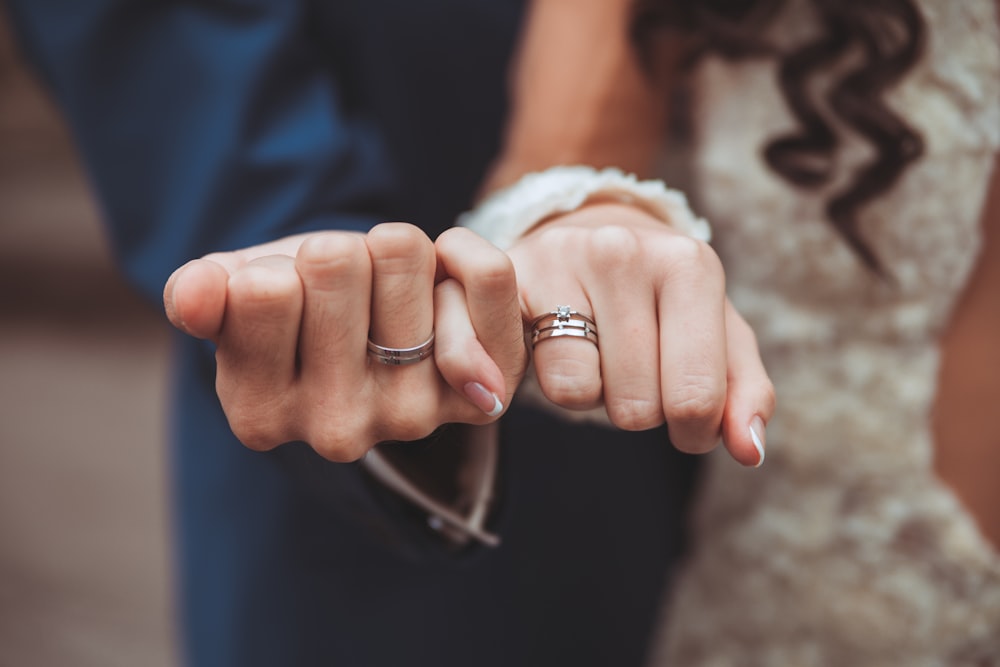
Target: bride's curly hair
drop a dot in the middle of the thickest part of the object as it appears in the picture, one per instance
(889, 34)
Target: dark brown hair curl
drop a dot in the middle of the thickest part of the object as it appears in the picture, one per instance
(889, 36)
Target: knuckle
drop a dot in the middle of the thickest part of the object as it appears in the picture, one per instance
(558, 239)
(396, 242)
(339, 438)
(569, 383)
(257, 417)
(692, 445)
(450, 359)
(263, 284)
(635, 414)
(456, 237)
(698, 399)
(338, 447)
(495, 271)
(255, 431)
(685, 254)
(410, 417)
(409, 427)
(330, 254)
(614, 246)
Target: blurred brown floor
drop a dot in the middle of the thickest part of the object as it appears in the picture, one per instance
(84, 551)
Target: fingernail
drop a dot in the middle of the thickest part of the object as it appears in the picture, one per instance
(757, 435)
(483, 398)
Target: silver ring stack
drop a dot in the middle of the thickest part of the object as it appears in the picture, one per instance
(563, 321)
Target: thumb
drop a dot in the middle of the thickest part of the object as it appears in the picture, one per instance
(194, 298)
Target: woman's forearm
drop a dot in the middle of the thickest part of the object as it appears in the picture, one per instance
(580, 94)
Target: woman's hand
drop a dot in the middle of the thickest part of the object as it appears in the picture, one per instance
(671, 346)
(291, 320)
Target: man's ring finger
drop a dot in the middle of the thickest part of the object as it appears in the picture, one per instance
(401, 356)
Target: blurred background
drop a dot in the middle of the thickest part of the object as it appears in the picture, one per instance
(84, 543)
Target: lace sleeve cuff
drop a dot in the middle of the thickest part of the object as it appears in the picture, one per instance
(508, 214)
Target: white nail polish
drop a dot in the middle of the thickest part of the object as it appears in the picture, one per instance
(756, 433)
(484, 399)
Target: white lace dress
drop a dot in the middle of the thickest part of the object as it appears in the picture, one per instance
(843, 548)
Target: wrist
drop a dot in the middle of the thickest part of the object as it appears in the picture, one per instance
(509, 213)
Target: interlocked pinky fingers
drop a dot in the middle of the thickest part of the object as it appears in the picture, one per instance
(462, 361)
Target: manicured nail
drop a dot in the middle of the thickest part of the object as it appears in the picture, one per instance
(483, 398)
(757, 435)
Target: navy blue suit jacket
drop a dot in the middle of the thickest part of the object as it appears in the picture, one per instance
(216, 124)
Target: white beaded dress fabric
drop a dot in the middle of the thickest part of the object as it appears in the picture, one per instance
(844, 548)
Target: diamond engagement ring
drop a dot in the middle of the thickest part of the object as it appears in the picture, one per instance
(401, 356)
(563, 321)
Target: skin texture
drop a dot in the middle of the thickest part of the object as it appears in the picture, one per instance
(558, 119)
(580, 96)
(290, 318)
(966, 430)
(672, 348)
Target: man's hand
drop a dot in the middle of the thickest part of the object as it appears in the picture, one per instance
(291, 320)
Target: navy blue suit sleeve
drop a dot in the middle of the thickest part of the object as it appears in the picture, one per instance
(204, 126)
